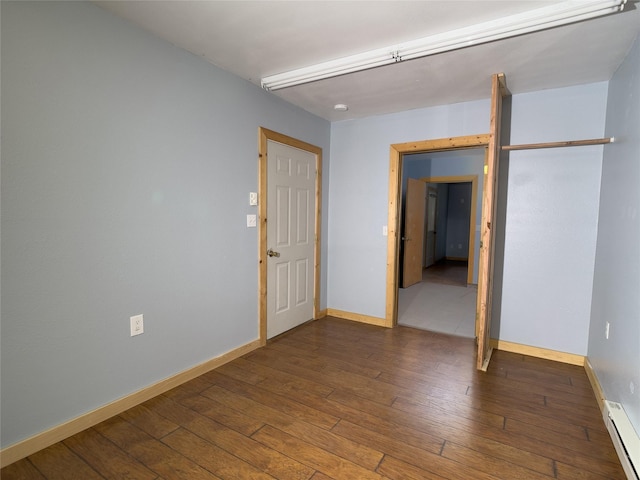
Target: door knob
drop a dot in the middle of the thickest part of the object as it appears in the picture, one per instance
(271, 253)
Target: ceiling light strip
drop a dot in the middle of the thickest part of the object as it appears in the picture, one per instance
(564, 13)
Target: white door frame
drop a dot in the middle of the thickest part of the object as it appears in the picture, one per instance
(264, 135)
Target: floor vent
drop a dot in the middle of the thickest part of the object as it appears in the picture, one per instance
(625, 439)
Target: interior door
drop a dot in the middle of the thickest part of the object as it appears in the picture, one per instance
(413, 239)
(291, 220)
(487, 231)
(430, 241)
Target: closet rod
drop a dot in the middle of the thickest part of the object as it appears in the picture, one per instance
(570, 143)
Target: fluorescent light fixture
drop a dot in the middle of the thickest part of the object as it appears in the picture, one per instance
(564, 13)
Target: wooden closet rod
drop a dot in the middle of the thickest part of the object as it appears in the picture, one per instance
(570, 143)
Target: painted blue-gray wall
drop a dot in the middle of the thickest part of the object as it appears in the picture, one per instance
(551, 219)
(358, 192)
(551, 214)
(126, 169)
(616, 284)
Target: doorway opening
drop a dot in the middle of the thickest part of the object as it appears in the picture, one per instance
(444, 297)
(491, 144)
(397, 167)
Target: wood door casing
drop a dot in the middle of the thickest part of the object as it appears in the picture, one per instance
(473, 179)
(264, 135)
(397, 151)
(492, 142)
(487, 229)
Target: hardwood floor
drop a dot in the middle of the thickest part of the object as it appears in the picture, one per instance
(334, 399)
(448, 272)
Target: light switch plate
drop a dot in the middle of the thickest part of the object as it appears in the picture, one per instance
(251, 220)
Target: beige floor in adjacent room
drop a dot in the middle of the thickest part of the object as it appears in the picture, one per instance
(441, 302)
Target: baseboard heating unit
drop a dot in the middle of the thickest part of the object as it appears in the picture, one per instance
(625, 438)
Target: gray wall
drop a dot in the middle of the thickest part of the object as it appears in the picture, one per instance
(126, 168)
(551, 219)
(616, 284)
(552, 210)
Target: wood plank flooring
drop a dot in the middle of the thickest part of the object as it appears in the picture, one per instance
(334, 399)
(448, 272)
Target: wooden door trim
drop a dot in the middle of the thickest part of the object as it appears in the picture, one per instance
(473, 179)
(264, 135)
(487, 235)
(397, 151)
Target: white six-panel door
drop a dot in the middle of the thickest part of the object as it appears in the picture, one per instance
(291, 178)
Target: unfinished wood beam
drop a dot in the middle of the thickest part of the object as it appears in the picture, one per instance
(502, 81)
(570, 143)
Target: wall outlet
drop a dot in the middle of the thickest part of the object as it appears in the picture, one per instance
(137, 325)
(253, 198)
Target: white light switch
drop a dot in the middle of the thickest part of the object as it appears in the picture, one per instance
(253, 198)
(251, 220)
(385, 231)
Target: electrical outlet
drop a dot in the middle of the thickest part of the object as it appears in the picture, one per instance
(253, 198)
(137, 325)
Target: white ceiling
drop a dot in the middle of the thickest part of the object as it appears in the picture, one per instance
(257, 38)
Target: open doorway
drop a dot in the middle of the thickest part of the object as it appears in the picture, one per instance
(491, 143)
(444, 300)
(397, 152)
